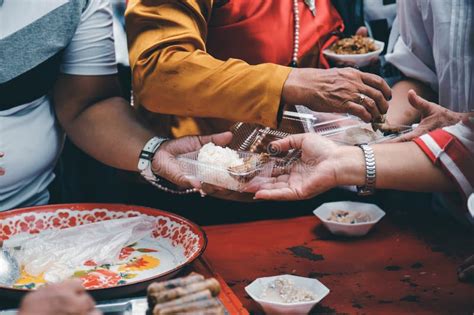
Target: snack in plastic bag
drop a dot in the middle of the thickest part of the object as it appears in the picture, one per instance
(58, 253)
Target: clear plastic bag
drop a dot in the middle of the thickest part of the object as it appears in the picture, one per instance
(58, 253)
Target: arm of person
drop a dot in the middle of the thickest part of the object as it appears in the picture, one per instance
(414, 172)
(400, 111)
(94, 116)
(413, 56)
(173, 73)
(99, 121)
(325, 165)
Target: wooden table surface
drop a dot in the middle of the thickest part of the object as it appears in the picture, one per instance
(406, 265)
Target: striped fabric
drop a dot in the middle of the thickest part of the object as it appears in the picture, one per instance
(447, 151)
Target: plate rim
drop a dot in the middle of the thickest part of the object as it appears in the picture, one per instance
(70, 206)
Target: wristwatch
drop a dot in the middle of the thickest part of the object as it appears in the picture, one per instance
(146, 158)
(370, 172)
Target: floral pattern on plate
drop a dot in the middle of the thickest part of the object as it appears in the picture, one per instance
(174, 242)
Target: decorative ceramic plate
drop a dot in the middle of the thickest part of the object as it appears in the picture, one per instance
(174, 243)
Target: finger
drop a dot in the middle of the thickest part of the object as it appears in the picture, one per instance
(74, 285)
(372, 108)
(419, 103)
(2, 154)
(220, 139)
(83, 304)
(2, 171)
(276, 194)
(95, 312)
(377, 83)
(359, 111)
(210, 189)
(381, 103)
(362, 31)
(288, 143)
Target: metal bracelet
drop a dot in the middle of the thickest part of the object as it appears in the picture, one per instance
(370, 171)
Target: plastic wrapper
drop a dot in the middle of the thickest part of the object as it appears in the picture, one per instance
(58, 253)
(364, 134)
(237, 178)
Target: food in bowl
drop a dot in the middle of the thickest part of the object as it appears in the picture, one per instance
(349, 217)
(284, 290)
(355, 45)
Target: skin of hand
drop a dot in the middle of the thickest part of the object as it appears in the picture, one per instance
(338, 90)
(68, 297)
(325, 165)
(433, 116)
(316, 172)
(466, 270)
(166, 165)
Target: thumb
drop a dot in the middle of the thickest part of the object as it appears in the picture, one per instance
(286, 144)
(220, 139)
(362, 31)
(419, 103)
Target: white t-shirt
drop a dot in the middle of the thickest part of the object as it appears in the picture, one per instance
(30, 136)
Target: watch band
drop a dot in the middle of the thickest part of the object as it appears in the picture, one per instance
(146, 157)
(370, 172)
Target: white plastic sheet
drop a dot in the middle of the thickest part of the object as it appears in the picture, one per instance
(58, 253)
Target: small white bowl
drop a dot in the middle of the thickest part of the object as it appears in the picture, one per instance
(347, 229)
(255, 290)
(359, 60)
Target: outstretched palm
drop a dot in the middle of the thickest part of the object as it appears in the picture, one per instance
(313, 174)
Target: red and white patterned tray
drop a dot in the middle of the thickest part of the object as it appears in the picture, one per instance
(175, 242)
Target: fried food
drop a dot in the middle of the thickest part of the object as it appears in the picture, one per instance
(354, 45)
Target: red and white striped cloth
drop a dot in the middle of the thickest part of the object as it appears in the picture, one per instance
(452, 148)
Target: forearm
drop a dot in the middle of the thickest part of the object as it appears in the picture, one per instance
(400, 166)
(111, 132)
(400, 112)
(173, 74)
(198, 85)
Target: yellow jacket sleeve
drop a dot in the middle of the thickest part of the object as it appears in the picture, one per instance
(173, 74)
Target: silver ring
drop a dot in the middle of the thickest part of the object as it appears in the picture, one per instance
(362, 98)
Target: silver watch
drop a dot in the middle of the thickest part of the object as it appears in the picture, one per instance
(146, 158)
(370, 172)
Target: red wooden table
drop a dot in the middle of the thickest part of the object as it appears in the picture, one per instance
(406, 265)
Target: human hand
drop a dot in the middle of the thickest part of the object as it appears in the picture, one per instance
(323, 165)
(338, 90)
(165, 164)
(433, 116)
(68, 297)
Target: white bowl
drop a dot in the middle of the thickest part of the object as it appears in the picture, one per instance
(470, 204)
(347, 229)
(359, 60)
(255, 290)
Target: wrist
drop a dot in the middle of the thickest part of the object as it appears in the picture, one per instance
(350, 166)
(293, 92)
